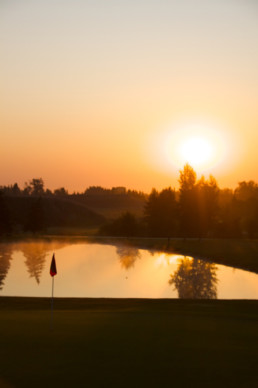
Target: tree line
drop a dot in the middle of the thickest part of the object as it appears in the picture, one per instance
(36, 187)
(198, 209)
(37, 209)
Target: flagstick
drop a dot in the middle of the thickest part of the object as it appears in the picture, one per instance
(52, 303)
(53, 272)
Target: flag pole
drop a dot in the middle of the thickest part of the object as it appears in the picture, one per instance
(53, 272)
(52, 303)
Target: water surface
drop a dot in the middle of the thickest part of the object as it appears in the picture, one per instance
(122, 271)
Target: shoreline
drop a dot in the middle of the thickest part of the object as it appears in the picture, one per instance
(236, 253)
(9, 303)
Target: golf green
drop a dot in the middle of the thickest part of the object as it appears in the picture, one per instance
(128, 343)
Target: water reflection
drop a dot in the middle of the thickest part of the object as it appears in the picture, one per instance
(195, 279)
(5, 262)
(35, 254)
(35, 260)
(127, 255)
(98, 270)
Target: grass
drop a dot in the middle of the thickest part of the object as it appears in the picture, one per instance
(128, 343)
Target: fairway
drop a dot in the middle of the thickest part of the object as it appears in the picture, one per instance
(128, 343)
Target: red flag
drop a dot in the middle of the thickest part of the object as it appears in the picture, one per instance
(53, 270)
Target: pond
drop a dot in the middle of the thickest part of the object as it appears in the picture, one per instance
(122, 271)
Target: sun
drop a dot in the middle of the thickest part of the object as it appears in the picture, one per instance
(197, 151)
(204, 146)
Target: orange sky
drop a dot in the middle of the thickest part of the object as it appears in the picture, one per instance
(92, 91)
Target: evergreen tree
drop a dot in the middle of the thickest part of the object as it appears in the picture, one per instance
(161, 213)
(36, 218)
(5, 216)
(207, 191)
(188, 203)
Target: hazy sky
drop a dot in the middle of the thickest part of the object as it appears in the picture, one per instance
(93, 91)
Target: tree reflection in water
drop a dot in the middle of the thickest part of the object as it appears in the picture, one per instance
(195, 279)
(5, 262)
(35, 254)
(127, 255)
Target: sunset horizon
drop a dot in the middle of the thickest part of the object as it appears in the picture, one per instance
(126, 94)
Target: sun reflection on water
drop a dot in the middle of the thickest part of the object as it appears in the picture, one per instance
(165, 259)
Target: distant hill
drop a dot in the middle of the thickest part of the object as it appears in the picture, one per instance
(38, 211)
(112, 205)
(27, 213)
(108, 203)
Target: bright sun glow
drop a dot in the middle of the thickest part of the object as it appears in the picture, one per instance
(196, 150)
(204, 146)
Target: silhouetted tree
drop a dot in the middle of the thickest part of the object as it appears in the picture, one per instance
(95, 190)
(36, 218)
(16, 190)
(35, 187)
(247, 196)
(5, 217)
(12, 190)
(229, 223)
(188, 202)
(161, 213)
(246, 191)
(249, 217)
(62, 191)
(207, 192)
(27, 189)
(48, 192)
(151, 212)
(125, 225)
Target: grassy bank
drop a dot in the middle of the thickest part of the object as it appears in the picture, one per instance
(125, 343)
(238, 253)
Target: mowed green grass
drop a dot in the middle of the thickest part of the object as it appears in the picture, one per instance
(128, 343)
